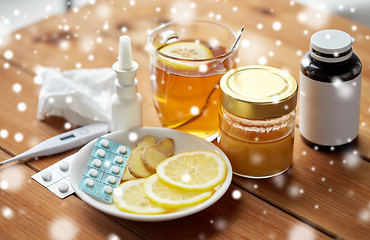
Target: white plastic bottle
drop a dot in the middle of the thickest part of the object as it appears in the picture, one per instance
(126, 101)
(330, 83)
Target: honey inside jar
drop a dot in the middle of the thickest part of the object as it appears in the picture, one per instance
(257, 149)
(257, 120)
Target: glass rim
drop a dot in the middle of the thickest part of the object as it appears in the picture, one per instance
(213, 59)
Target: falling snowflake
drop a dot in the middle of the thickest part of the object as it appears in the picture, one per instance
(8, 54)
(276, 26)
(67, 126)
(194, 110)
(4, 185)
(63, 228)
(21, 106)
(262, 60)
(364, 215)
(17, 87)
(203, 68)
(236, 194)
(185, 178)
(279, 181)
(7, 212)
(133, 136)
(4, 133)
(220, 224)
(302, 231)
(113, 236)
(18, 137)
(245, 43)
(294, 190)
(69, 100)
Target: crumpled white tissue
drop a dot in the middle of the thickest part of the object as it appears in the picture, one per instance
(81, 96)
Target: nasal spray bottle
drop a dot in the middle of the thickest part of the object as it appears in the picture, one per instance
(126, 101)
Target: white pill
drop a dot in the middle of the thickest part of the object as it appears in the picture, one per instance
(115, 169)
(64, 166)
(104, 143)
(63, 187)
(111, 179)
(107, 164)
(122, 149)
(89, 182)
(108, 189)
(46, 175)
(93, 172)
(96, 162)
(100, 152)
(118, 159)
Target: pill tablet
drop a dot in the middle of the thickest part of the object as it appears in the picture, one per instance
(96, 163)
(89, 182)
(100, 153)
(118, 159)
(108, 189)
(46, 175)
(93, 172)
(63, 187)
(122, 149)
(104, 143)
(64, 166)
(111, 179)
(115, 169)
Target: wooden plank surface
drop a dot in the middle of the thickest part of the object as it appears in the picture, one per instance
(232, 218)
(31, 210)
(324, 194)
(321, 189)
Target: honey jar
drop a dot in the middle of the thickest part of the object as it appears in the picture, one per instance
(257, 120)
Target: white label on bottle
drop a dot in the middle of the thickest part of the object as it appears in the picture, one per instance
(329, 113)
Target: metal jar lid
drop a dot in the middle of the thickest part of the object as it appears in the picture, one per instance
(258, 92)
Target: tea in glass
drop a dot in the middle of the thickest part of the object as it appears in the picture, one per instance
(186, 72)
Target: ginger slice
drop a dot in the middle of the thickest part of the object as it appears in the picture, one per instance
(152, 156)
(136, 166)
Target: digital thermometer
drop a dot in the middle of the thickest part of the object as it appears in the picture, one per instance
(63, 142)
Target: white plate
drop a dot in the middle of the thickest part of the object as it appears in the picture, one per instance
(183, 142)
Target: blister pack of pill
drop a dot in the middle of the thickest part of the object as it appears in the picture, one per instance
(104, 169)
(55, 178)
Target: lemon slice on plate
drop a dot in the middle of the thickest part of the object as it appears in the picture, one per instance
(171, 197)
(197, 170)
(130, 197)
(185, 50)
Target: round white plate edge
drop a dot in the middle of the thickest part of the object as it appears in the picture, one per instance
(76, 174)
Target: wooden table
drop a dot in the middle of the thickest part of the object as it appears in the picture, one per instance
(325, 195)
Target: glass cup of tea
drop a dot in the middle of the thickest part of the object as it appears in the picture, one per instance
(187, 61)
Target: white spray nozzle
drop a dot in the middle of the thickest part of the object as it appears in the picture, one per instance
(125, 67)
(124, 54)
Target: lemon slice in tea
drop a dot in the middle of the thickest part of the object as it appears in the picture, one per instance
(130, 197)
(193, 171)
(171, 197)
(185, 50)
